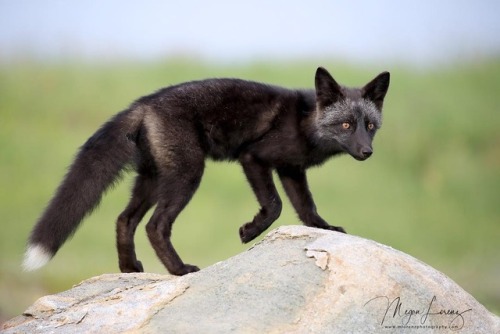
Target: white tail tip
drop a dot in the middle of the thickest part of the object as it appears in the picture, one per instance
(36, 256)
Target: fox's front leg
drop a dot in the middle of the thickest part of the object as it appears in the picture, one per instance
(261, 180)
(295, 184)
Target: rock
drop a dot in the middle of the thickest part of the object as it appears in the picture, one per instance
(297, 280)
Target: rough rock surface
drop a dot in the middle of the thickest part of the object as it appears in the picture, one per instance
(297, 280)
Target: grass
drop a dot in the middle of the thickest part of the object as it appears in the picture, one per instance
(431, 189)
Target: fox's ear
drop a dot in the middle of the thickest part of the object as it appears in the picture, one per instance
(376, 89)
(328, 90)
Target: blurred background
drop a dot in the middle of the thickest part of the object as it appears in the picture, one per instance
(432, 188)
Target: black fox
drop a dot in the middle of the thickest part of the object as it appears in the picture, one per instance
(166, 137)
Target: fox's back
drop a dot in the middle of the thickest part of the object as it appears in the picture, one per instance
(226, 113)
(205, 97)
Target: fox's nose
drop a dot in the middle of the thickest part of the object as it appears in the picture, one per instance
(366, 153)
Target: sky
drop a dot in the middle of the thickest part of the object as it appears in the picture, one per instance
(418, 32)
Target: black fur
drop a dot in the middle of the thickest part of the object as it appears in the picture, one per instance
(167, 136)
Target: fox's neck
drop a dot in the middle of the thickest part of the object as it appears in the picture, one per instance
(308, 113)
(309, 126)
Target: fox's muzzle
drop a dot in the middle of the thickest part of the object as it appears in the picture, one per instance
(366, 152)
(360, 145)
(362, 153)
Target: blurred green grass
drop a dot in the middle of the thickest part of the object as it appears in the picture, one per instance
(431, 189)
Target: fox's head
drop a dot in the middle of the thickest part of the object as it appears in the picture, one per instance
(347, 118)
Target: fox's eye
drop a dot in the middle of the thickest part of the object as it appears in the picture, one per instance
(346, 125)
(370, 126)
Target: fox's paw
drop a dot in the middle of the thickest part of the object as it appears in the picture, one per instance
(248, 232)
(135, 267)
(337, 229)
(185, 269)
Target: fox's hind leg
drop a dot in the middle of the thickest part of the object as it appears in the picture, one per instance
(143, 198)
(179, 175)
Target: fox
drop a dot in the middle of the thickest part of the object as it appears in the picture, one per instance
(167, 136)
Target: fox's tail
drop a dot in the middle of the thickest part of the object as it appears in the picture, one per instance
(97, 166)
